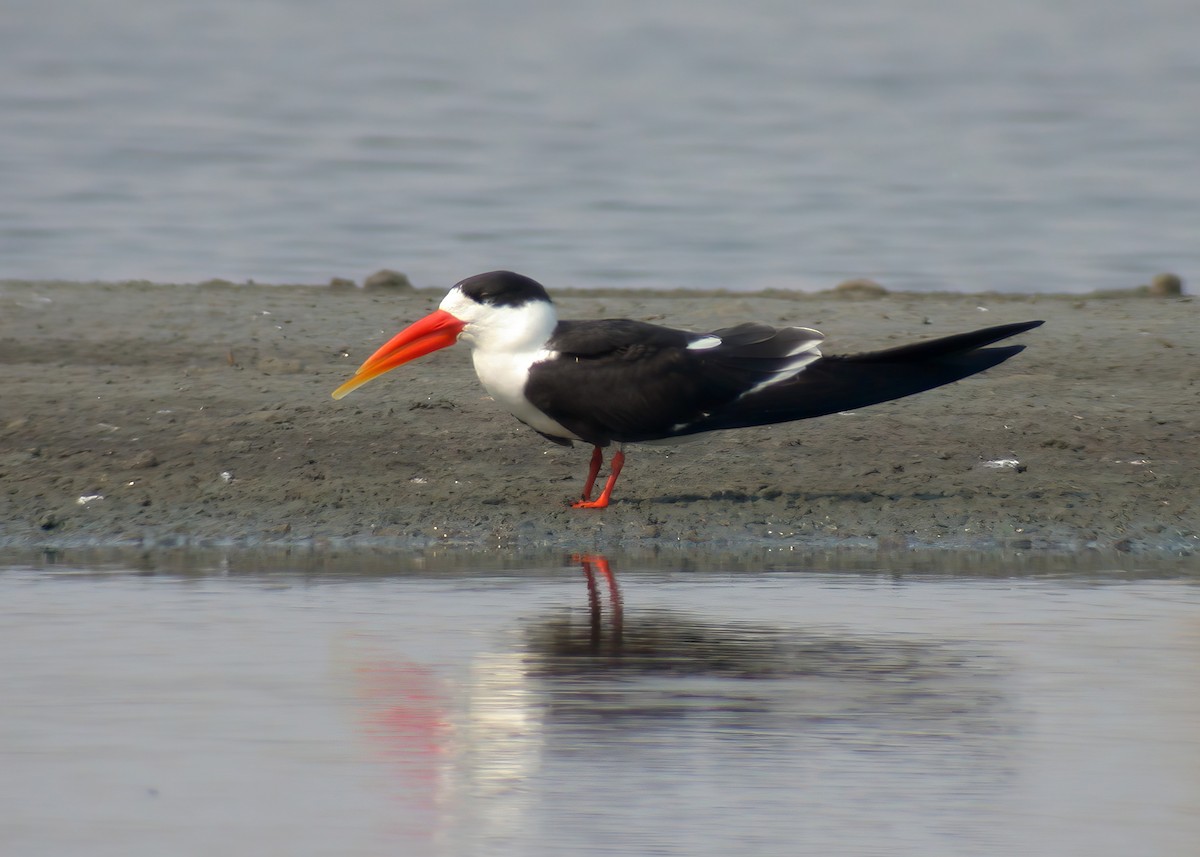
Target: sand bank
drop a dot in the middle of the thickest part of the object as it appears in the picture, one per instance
(158, 415)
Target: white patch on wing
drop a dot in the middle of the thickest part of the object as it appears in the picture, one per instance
(681, 426)
(807, 345)
(800, 357)
(704, 342)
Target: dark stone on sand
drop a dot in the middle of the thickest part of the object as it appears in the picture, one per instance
(341, 283)
(1166, 285)
(860, 288)
(143, 459)
(388, 279)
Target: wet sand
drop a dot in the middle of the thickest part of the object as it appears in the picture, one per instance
(151, 415)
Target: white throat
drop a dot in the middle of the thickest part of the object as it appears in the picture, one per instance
(505, 342)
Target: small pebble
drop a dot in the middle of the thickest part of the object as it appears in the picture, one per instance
(860, 288)
(1166, 285)
(388, 279)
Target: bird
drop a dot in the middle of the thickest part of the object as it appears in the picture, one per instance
(622, 381)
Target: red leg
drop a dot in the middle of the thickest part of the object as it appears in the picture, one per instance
(593, 596)
(587, 561)
(601, 502)
(614, 594)
(593, 469)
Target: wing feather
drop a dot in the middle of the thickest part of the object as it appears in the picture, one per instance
(621, 380)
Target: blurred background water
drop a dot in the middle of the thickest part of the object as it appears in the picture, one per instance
(509, 705)
(1019, 146)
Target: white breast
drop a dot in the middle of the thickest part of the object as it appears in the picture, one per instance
(504, 377)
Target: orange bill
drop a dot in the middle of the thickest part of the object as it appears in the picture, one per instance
(437, 330)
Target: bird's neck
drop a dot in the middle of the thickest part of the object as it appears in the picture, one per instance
(508, 332)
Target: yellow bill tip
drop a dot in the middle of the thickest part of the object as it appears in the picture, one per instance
(351, 385)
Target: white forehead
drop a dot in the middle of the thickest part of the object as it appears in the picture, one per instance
(459, 305)
(489, 326)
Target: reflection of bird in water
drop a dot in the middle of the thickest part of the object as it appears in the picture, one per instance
(581, 699)
(641, 666)
(590, 564)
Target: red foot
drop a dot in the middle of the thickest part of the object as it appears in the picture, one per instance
(601, 502)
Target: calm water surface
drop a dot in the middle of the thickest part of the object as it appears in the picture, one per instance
(513, 711)
(1017, 146)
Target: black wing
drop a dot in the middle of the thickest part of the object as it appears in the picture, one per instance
(842, 383)
(622, 380)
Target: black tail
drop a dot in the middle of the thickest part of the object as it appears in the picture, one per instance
(845, 382)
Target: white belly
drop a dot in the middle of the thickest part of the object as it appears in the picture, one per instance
(504, 379)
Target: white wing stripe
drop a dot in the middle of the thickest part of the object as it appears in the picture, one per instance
(704, 342)
(793, 368)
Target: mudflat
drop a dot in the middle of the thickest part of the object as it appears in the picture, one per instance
(189, 415)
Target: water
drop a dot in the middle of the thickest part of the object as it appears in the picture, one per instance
(1016, 146)
(409, 707)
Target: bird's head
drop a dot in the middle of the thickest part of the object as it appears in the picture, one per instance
(494, 312)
